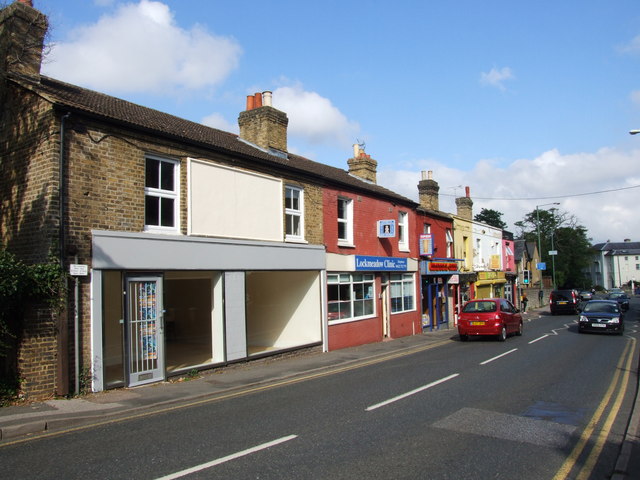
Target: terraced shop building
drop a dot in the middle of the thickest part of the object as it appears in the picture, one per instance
(189, 247)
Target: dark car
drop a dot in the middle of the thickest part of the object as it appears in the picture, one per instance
(489, 316)
(601, 316)
(563, 301)
(620, 297)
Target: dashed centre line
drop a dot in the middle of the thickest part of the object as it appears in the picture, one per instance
(498, 356)
(412, 392)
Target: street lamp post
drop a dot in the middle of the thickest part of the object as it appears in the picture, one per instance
(538, 232)
(553, 256)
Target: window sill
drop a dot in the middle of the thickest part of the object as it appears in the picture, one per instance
(350, 320)
(295, 240)
(346, 245)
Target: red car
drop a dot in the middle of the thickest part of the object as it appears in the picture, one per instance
(489, 316)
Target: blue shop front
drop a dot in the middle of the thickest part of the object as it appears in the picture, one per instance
(438, 295)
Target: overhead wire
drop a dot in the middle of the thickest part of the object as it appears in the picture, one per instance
(550, 197)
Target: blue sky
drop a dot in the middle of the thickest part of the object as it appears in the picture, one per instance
(527, 103)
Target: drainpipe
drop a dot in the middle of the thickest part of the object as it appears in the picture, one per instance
(61, 191)
(63, 344)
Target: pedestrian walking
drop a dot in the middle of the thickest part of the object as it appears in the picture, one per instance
(524, 300)
(540, 297)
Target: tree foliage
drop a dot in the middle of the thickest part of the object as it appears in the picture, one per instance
(20, 284)
(491, 217)
(556, 230)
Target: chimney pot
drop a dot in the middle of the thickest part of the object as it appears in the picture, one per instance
(258, 100)
(467, 192)
(266, 98)
(250, 102)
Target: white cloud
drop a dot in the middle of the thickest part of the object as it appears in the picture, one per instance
(139, 48)
(551, 177)
(313, 118)
(632, 47)
(496, 78)
(216, 120)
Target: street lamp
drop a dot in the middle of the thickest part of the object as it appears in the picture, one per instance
(538, 232)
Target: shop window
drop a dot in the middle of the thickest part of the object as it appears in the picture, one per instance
(402, 292)
(294, 217)
(161, 196)
(350, 296)
(403, 233)
(345, 221)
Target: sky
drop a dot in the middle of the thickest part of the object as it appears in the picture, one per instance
(526, 103)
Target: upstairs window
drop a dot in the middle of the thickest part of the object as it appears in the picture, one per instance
(449, 236)
(161, 195)
(403, 231)
(345, 221)
(294, 208)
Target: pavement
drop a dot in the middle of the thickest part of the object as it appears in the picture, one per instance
(21, 422)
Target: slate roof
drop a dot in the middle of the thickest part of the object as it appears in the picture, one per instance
(107, 108)
(630, 247)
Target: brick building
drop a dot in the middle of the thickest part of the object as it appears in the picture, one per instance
(190, 247)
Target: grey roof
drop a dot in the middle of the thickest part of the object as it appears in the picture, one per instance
(631, 247)
(107, 108)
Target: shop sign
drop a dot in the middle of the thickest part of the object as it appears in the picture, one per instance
(490, 275)
(439, 267)
(386, 228)
(394, 264)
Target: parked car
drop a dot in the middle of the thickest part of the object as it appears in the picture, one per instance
(489, 316)
(563, 301)
(620, 297)
(585, 295)
(601, 316)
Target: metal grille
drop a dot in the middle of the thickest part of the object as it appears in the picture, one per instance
(143, 325)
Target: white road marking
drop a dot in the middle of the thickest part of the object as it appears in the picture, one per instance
(412, 392)
(497, 357)
(233, 456)
(539, 338)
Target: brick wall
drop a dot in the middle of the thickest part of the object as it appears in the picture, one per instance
(366, 212)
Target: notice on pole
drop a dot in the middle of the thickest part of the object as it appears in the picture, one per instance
(78, 270)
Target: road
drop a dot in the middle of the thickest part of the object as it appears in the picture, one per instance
(551, 404)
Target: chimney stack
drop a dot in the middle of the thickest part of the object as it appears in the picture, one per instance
(362, 165)
(263, 125)
(22, 32)
(428, 190)
(465, 205)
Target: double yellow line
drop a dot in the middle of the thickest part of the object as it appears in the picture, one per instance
(624, 365)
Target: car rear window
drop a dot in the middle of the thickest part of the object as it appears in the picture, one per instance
(601, 307)
(479, 307)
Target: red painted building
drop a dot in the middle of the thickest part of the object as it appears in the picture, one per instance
(438, 269)
(373, 287)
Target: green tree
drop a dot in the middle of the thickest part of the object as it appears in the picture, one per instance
(491, 217)
(559, 231)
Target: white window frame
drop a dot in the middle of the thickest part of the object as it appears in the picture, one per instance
(407, 286)
(347, 221)
(403, 231)
(365, 283)
(291, 213)
(449, 237)
(161, 193)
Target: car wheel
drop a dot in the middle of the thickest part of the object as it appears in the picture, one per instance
(520, 328)
(464, 338)
(503, 334)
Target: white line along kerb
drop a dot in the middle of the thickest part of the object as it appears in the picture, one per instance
(412, 392)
